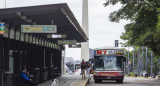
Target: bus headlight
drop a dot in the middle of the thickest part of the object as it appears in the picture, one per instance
(121, 73)
(95, 73)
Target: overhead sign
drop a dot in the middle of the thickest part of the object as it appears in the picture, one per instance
(56, 36)
(75, 46)
(38, 28)
(63, 42)
(2, 28)
(116, 43)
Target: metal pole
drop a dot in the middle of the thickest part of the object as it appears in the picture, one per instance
(142, 57)
(133, 61)
(151, 63)
(44, 58)
(128, 60)
(146, 61)
(138, 65)
(51, 60)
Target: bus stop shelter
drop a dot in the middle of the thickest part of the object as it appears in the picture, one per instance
(35, 50)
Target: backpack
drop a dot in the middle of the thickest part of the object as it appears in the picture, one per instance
(83, 65)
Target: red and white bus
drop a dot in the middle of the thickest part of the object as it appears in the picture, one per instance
(108, 65)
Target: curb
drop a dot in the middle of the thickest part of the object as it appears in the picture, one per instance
(86, 82)
(141, 77)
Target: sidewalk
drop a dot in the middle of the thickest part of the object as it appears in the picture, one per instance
(68, 80)
(80, 82)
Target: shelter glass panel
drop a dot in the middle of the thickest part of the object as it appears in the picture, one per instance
(40, 41)
(34, 40)
(30, 39)
(17, 35)
(22, 36)
(11, 34)
(26, 38)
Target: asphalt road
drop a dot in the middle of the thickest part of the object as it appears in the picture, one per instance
(128, 81)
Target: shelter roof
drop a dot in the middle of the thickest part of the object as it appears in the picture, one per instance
(56, 14)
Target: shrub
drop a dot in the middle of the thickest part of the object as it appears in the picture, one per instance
(159, 77)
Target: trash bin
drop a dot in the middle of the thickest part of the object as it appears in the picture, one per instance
(36, 72)
(51, 73)
(16, 80)
(44, 73)
(8, 79)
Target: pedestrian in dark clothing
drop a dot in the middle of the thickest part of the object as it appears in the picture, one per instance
(26, 79)
(83, 67)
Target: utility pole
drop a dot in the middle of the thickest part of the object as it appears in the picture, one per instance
(151, 62)
(146, 61)
(133, 61)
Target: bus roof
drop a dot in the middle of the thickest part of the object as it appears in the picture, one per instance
(108, 48)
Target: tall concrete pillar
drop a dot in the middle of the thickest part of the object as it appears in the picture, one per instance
(85, 45)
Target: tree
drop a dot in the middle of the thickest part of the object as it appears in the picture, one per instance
(144, 27)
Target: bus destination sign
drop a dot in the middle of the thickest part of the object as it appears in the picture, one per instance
(108, 52)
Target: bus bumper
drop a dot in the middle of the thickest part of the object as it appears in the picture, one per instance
(109, 77)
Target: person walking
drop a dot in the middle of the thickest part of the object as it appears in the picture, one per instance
(83, 67)
(88, 65)
(26, 79)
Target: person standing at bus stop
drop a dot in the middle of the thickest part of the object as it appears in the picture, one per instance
(83, 67)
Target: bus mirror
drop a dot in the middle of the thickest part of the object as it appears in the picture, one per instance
(124, 59)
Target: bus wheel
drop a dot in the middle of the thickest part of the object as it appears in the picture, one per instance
(119, 81)
(97, 81)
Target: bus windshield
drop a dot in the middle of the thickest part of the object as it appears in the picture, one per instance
(108, 63)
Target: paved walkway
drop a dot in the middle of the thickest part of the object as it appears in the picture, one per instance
(67, 80)
(80, 82)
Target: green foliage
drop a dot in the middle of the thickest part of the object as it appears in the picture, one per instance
(159, 77)
(131, 73)
(144, 29)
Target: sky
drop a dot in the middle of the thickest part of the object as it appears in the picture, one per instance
(102, 32)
